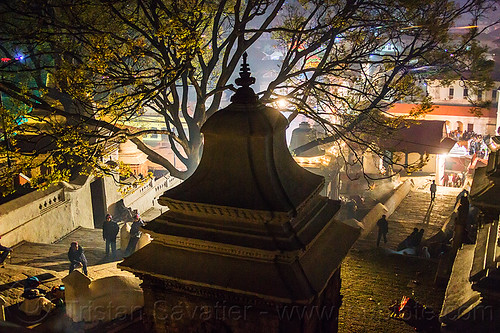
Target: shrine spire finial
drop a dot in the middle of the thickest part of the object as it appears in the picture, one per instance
(245, 94)
(245, 80)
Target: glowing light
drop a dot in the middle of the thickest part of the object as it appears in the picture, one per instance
(465, 27)
(282, 103)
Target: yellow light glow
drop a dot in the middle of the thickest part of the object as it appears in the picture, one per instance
(282, 103)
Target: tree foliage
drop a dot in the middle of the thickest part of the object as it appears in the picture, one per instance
(88, 67)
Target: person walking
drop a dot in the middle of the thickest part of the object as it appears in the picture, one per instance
(77, 258)
(433, 190)
(5, 251)
(135, 234)
(109, 231)
(383, 229)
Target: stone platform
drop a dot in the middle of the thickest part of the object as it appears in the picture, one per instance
(51, 260)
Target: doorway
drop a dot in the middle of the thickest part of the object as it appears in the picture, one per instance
(98, 202)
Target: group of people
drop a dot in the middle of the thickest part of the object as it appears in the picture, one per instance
(453, 179)
(472, 141)
(110, 231)
(477, 146)
(39, 301)
(411, 242)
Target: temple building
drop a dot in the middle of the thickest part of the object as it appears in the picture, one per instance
(248, 243)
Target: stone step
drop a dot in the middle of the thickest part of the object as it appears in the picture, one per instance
(55, 256)
(411, 213)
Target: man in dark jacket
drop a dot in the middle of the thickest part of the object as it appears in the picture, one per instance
(77, 258)
(109, 231)
(135, 234)
(433, 190)
(383, 229)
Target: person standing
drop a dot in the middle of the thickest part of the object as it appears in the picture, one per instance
(109, 231)
(5, 251)
(77, 258)
(433, 190)
(135, 234)
(383, 229)
(446, 179)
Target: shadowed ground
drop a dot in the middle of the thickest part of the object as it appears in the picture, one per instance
(372, 279)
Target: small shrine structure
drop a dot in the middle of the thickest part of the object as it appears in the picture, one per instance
(248, 243)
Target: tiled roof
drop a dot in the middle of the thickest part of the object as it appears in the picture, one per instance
(424, 136)
(444, 110)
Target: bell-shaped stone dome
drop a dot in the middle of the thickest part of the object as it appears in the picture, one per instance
(246, 163)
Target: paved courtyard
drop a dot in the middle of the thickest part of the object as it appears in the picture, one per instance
(372, 278)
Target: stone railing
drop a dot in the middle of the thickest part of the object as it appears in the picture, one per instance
(145, 197)
(370, 219)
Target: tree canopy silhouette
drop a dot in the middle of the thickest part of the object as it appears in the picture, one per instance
(73, 73)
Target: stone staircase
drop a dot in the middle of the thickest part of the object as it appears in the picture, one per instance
(54, 256)
(415, 211)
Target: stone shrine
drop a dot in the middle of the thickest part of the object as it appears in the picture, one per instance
(248, 244)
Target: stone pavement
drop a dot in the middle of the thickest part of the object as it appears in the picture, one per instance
(54, 258)
(51, 262)
(415, 211)
(372, 278)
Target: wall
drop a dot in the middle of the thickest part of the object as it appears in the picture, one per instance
(145, 197)
(482, 125)
(441, 94)
(45, 216)
(112, 194)
(371, 163)
(393, 202)
(429, 167)
(371, 160)
(370, 219)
